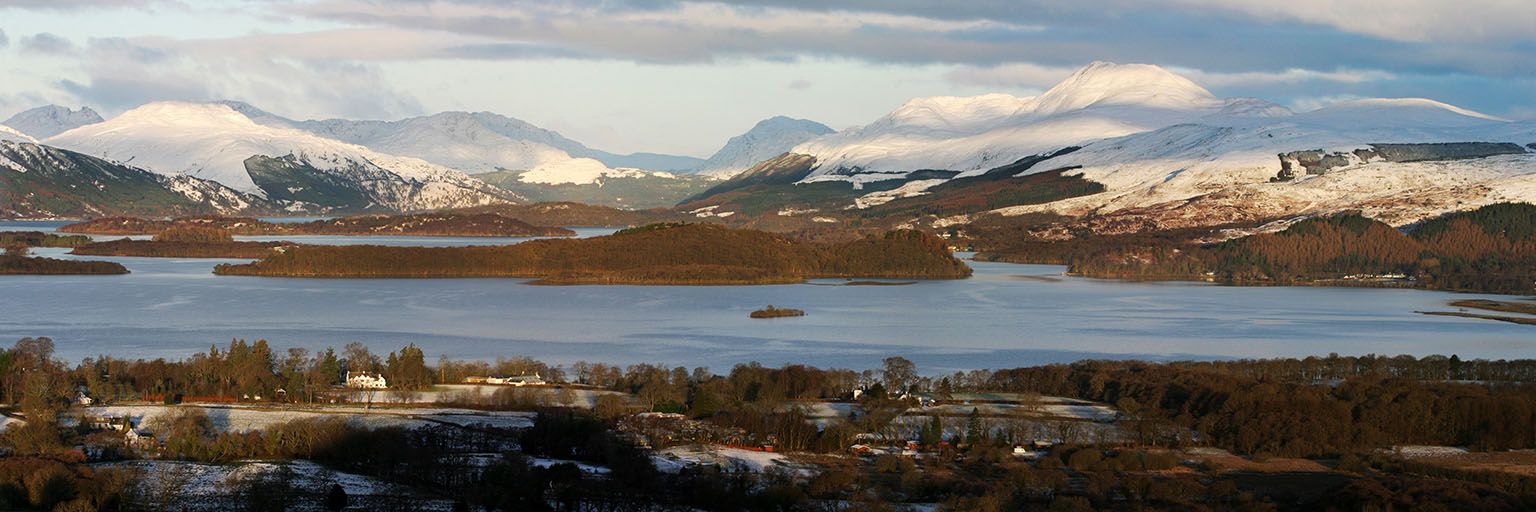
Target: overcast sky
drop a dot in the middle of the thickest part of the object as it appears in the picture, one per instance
(682, 77)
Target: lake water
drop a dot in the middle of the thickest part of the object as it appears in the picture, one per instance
(1006, 316)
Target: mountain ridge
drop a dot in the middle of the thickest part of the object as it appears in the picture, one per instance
(49, 120)
(214, 141)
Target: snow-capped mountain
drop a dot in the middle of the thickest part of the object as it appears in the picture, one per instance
(1145, 142)
(479, 143)
(1308, 163)
(38, 181)
(767, 139)
(214, 142)
(977, 133)
(49, 120)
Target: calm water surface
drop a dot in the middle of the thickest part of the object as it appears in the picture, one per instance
(1007, 315)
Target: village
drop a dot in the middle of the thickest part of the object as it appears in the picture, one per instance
(401, 435)
(136, 433)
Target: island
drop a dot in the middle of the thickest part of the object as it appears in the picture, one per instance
(184, 241)
(670, 253)
(773, 312)
(17, 260)
(482, 224)
(41, 239)
(1520, 307)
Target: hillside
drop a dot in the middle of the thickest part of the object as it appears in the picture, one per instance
(421, 224)
(303, 171)
(1164, 152)
(473, 142)
(579, 215)
(38, 181)
(616, 189)
(655, 254)
(1490, 249)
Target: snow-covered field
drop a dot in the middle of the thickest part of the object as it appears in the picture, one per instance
(242, 419)
(731, 459)
(192, 486)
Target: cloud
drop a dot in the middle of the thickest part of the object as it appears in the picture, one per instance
(1193, 34)
(800, 85)
(64, 5)
(1398, 20)
(4, 41)
(1017, 74)
(124, 73)
(119, 93)
(1289, 76)
(46, 43)
(685, 32)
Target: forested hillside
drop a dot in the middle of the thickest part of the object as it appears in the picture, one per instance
(1490, 249)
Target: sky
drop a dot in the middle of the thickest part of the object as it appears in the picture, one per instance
(681, 77)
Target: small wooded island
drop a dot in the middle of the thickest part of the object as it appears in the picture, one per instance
(41, 239)
(488, 224)
(683, 254)
(17, 260)
(183, 241)
(773, 312)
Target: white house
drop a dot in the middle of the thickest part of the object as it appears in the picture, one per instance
(366, 380)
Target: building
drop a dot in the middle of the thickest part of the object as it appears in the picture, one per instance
(520, 380)
(366, 380)
(140, 438)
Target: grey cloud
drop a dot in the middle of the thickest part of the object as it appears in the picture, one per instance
(4, 41)
(1053, 33)
(123, 93)
(64, 5)
(47, 43)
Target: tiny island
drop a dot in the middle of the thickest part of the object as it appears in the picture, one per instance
(773, 312)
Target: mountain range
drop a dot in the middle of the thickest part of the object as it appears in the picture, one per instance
(1140, 147)
(1115, 147)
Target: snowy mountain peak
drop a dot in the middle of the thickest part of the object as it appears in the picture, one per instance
(49, 120)
(214, 141)
(186, 114)
(784, 123)
(1138, 85)
(767, 139)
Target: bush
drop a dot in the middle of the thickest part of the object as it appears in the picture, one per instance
(1084, 459)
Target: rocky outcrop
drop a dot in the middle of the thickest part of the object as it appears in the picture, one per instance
(1318, 162)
